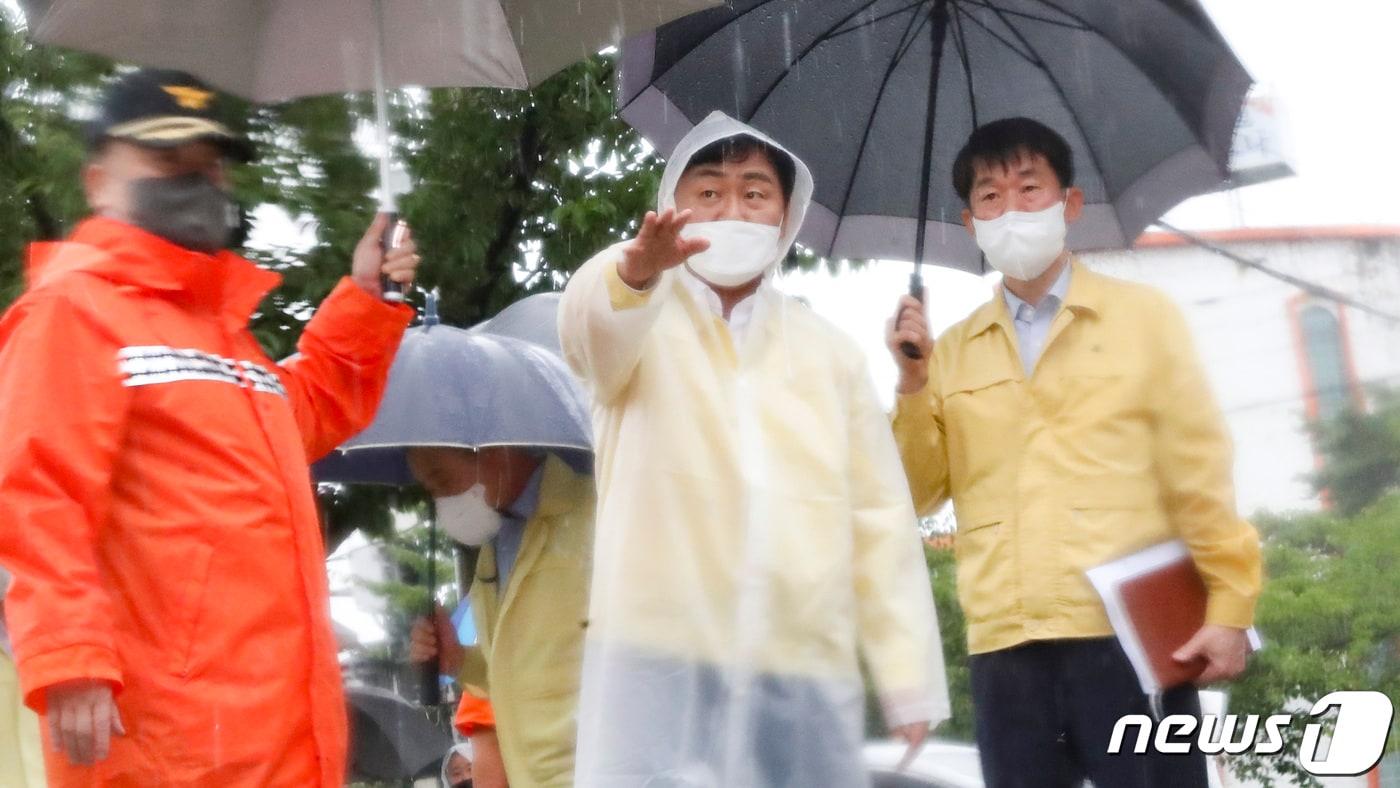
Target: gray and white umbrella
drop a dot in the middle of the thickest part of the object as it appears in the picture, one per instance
(877, 96)
(273, 50)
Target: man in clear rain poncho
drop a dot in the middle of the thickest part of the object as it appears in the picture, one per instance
(755, 529)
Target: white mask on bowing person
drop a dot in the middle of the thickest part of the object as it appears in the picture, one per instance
(1023, 244)
(467, 517)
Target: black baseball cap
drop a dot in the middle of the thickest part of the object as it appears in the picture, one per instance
(161, 109)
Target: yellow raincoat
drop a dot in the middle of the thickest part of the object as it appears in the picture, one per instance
(21, 749)
(530, 638)
(1113, 444)
(754, 531)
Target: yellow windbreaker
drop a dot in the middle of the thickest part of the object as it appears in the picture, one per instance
(530, 637)
(1114, 443)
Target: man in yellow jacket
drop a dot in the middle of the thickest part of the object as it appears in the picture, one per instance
(533, 516)
(754, 527)
(1070, 422)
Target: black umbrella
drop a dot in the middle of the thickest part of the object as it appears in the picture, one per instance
(876, 96)
(390, 738)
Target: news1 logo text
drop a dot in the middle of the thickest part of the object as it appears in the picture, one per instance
(1356, 745)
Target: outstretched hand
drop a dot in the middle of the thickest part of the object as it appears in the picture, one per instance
(658, 247)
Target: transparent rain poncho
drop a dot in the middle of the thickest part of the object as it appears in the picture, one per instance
(755, 532)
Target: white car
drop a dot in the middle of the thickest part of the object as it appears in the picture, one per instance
(941, 764)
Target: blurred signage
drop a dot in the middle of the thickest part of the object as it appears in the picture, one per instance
(1259, 152)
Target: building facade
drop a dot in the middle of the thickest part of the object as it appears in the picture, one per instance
(1277, 355)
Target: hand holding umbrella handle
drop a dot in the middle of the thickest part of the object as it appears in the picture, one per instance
(393, 236)
(916, 289)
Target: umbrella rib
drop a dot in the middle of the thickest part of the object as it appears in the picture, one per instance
(1131, 62)
(1080, 26)
(1074, 117)
(961, 43)
(792, 65)
(1029, 58)
(828, 36)
(710, 35)
(911, 34)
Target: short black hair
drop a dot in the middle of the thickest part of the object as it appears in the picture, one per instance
(1002, 141)
(740, 147)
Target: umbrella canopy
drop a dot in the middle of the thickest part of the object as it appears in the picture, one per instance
(390, 739)
(532, 319)
(470, 389)
(877, 96)
(272, 50)
(451, 387)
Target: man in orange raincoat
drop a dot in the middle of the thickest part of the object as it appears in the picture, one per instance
(169, 610)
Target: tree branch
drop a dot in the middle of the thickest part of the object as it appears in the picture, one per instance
(500, 253)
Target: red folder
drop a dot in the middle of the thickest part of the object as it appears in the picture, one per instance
(1156, 602)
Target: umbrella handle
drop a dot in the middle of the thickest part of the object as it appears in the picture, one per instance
(393, 235)
(916, 289)
(429, 690)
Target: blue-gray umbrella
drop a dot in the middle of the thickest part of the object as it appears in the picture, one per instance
(533, 319)
(469, 389)
(488, 386)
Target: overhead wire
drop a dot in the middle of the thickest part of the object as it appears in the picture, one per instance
(1312, 288)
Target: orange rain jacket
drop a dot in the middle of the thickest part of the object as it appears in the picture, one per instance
(156, 507)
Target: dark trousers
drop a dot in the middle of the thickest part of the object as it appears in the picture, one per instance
(1045, 712)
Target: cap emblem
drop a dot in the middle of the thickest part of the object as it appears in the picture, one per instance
(192, 98)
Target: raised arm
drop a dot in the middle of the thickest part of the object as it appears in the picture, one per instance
(337, 379)
(611, 303)
(918, 415)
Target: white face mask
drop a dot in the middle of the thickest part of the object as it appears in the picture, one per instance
(1023, 244)
(739, 251)
(467, 517)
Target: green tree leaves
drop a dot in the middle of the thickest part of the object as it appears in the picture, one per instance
(1361, 453)
(1328, 618)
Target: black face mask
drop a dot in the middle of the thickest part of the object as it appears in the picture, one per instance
(187, 210)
